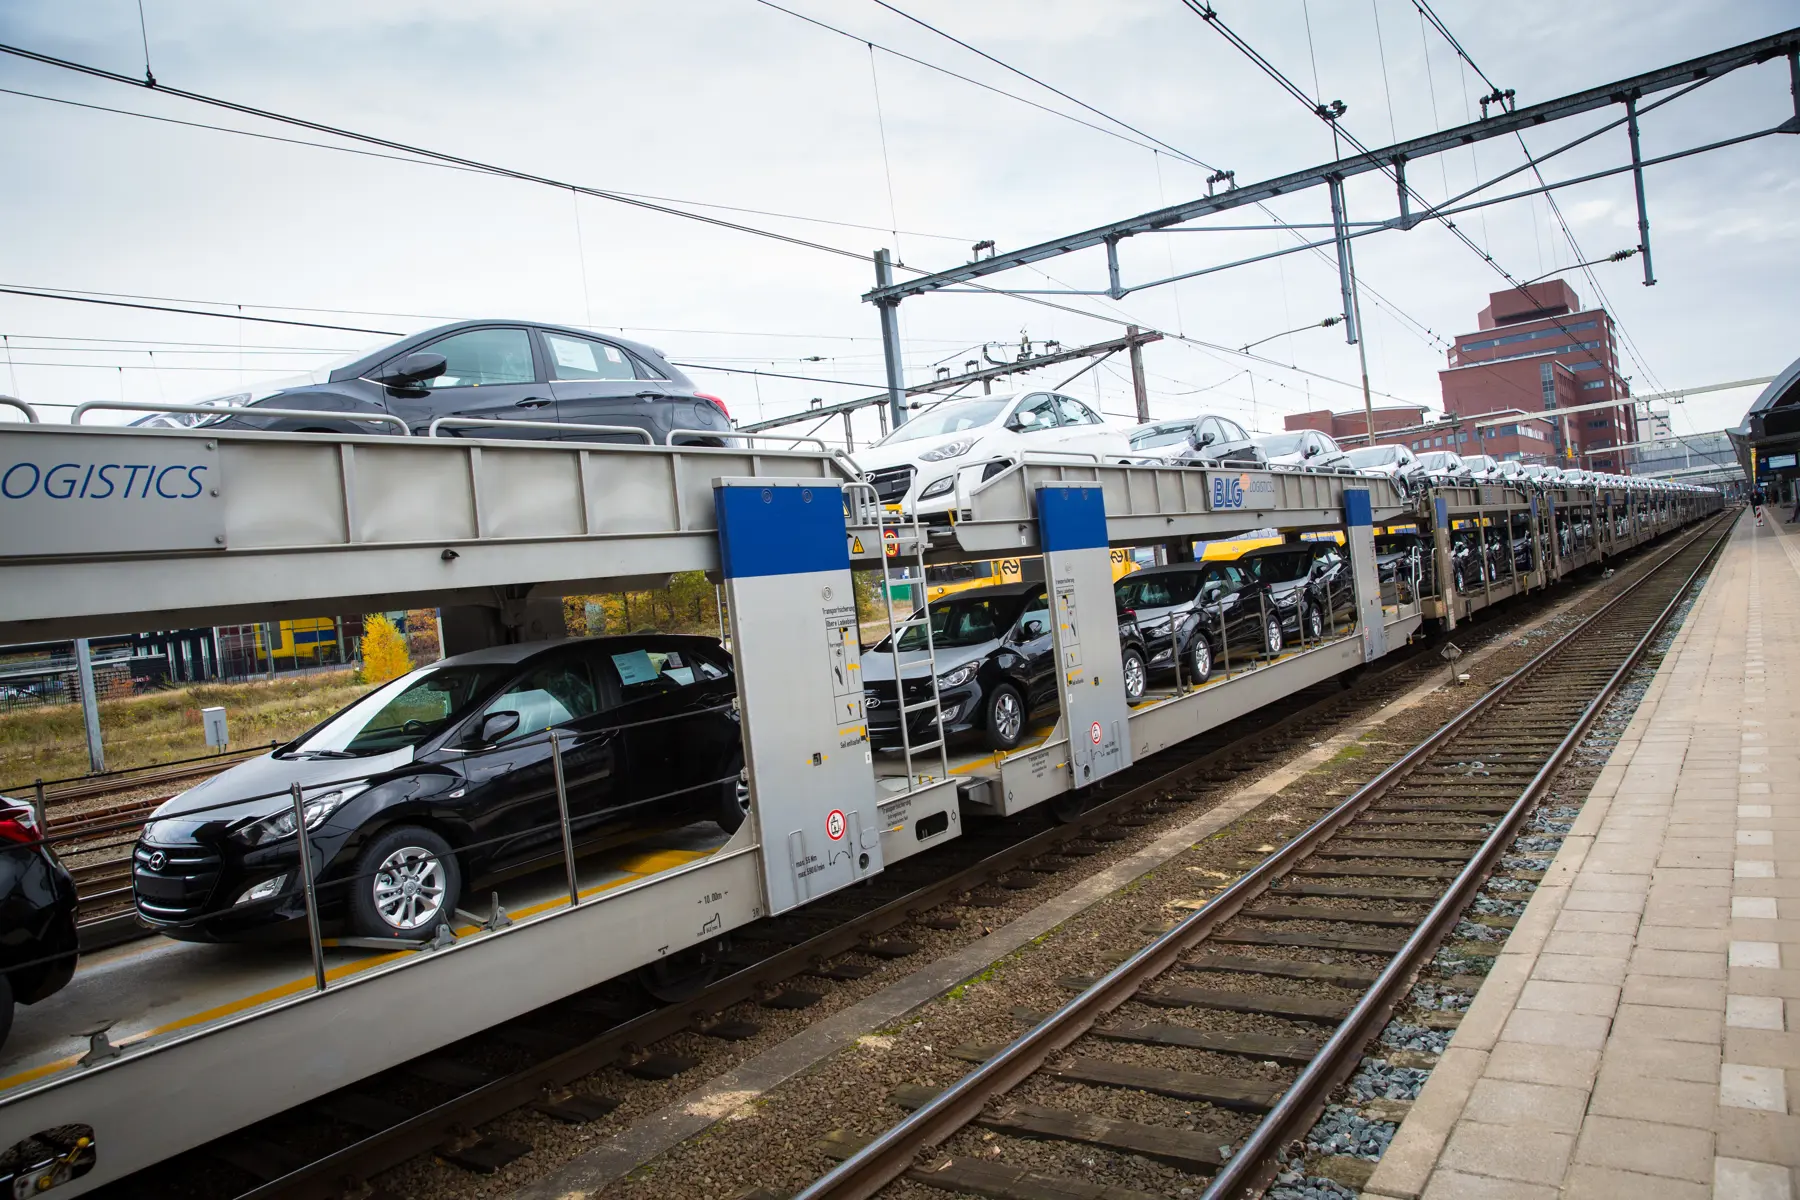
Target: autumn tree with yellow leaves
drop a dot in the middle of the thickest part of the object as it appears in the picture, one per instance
(384, 653)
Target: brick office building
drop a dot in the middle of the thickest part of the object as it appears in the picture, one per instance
(1349, 427)
(1537, 349)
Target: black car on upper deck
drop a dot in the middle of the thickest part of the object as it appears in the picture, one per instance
(37, 913)
(504, 372)
(442, 779)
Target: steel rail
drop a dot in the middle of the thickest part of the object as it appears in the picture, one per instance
(891, 1154)
(1249, 1169)
(324, 1178)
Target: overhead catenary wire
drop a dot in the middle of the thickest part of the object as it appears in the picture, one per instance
(1428, 14)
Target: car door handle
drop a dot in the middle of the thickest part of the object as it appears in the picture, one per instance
(531, 402)
(649, 395)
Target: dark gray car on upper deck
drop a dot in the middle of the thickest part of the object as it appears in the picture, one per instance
(505, 372)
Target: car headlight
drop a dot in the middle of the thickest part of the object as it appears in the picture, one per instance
(956, 449)
(957, 676)
(281, 825)
(939, 488)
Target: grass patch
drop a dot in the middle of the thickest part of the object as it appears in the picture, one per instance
(51, 743)
(1349, 753)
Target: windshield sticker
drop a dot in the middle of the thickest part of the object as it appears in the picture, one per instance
(634, 667)
(573, 354)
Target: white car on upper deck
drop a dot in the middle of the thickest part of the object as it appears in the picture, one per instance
(915, 467)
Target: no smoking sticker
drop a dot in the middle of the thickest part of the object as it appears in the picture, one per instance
(1094, 733)
(834, 824)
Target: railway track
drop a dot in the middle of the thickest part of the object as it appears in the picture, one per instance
(783, 962)
(333, 1146)
(1251, 1011)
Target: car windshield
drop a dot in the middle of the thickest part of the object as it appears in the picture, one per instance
(963, 621)
(1284, 567)
(1397, 543)
(1437, 459)
(1167, 434)
(403, 713)
(1161, 590)
(1283, 443)
(947, 418)
(1373, 456)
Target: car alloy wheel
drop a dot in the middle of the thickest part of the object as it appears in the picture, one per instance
(1009, 716)
(1200, 659)
(1315, 622)
(409, 888)
(1134, 676)
(1272, 636)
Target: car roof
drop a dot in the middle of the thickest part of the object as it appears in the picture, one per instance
(993, 589)
(519, 652)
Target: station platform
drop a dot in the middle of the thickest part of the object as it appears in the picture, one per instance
(1639, 1036)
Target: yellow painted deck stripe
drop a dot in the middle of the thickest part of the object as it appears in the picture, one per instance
(640, 866)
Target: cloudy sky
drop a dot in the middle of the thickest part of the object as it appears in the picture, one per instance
(739, 110)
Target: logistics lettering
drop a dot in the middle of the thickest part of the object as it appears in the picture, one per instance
(94, 481)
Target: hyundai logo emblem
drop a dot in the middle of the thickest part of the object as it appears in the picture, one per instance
(158, 861)
(871, 700)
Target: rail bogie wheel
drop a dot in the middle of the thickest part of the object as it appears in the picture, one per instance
(678, 978)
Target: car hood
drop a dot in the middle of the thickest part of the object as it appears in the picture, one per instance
(878, 665)
(877, 458)
(234, 793)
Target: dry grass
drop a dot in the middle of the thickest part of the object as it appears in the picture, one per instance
(50, 743)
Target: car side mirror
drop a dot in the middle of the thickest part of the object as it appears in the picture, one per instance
(495, 726)
(1311, 451)
(1031, 629)
(412, 370)
(1213, 592)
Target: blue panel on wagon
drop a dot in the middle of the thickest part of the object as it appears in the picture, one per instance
(1072, 518)
(784, 529)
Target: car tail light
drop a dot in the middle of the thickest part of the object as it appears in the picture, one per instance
(18, 825)
(715, 402)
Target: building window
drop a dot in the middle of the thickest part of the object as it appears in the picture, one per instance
(1591, 385)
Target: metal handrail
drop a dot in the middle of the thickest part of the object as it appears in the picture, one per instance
(15, 402)
(495, 423)
(211, 410)
(748, 437)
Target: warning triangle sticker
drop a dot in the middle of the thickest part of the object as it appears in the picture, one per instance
(856, 545)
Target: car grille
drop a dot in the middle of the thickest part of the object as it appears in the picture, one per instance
(891, 483)
(180, 886)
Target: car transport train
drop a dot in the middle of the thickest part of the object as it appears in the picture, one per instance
(400, 844)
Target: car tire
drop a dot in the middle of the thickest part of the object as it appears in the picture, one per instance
(1272, 640)
(1136, 677)
(1200, 659)
(1313, 621)
(1003, 717)
(1457, 577)
(6, 1008)
(734, 799)
(381, 902)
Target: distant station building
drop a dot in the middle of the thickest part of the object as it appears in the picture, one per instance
(1351, 428)
(1538, 349)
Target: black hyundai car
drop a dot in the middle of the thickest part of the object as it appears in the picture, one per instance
(1193, 615)
(37, 914)
(442, 779)
(492, 371)
(1309, 585)
(996, 667)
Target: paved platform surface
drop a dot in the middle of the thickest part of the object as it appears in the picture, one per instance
(1640, 1034)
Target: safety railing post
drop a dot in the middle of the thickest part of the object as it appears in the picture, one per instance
(308, 889)
(1224, 639)
(1262, 608)
(562, 813)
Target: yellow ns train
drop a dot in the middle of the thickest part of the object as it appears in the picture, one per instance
(951, 578)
